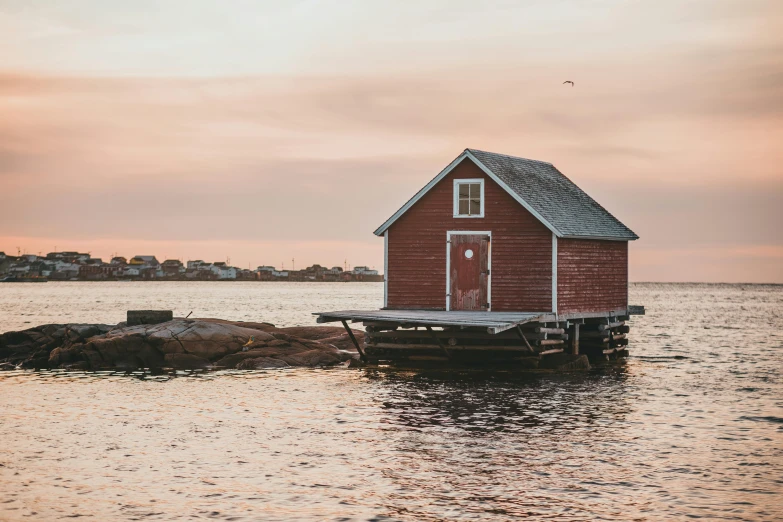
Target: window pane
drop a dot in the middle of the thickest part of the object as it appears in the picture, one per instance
(464, 189)
(463, 206)
(475, 190)
(475, 207)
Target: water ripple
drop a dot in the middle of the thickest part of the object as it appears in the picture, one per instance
(689, 427)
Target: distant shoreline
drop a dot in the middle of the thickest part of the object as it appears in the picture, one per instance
(169, 280)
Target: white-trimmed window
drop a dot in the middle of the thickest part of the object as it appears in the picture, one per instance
(469, 198)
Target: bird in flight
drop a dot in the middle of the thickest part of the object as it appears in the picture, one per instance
(568, 81)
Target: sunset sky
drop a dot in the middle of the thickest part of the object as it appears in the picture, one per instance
(270, 131)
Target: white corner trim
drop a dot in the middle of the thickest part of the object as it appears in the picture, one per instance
(450, 233)
(386, 269)
(554, 273)
(627, 274)
(463, 181)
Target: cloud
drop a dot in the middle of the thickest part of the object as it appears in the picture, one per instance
(180, 137)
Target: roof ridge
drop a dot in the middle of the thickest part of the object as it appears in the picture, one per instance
(509, 156)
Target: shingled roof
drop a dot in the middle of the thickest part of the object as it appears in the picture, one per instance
(543, 190)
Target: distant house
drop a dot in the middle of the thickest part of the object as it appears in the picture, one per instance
(196, 263)
(227, 272)
(223, 271)
(200, 273)
(364, 270)
(145, 261)
(71, 257)
(91, 272)
(265, 273)
(172, 267)
(118, 260)
(64, 266)
(131, 271)
(314, 273)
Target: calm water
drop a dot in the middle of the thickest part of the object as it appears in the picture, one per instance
(690, 427)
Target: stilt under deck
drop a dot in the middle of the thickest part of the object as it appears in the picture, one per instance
(477, 338)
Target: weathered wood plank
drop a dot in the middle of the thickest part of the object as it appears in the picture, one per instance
(479, 348)
(544, 330)
(494, 322)
(549, 342)
(452, 334)
(609, 326)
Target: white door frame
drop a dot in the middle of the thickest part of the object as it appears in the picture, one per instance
(450, 233)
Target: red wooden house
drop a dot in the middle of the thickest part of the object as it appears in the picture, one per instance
(499, 233)
(499, 255)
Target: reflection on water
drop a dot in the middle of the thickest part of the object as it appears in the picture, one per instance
(483, 402)
(691, 426)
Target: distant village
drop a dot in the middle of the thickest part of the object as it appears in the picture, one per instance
(76, 266)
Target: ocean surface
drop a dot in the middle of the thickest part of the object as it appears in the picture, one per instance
(691, 426)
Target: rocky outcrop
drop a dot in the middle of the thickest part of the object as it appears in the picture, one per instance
(180, 344)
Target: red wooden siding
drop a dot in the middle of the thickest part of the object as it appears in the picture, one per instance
(521, 249)
(592, 275)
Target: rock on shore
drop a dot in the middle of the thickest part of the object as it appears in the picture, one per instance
(179, 344)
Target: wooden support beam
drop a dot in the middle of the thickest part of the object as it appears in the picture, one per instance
(373, 329)
(609, 326)
(362, 355)
(555, 331)
(522, 335)
(440, 343)
(549, 342)
(550, 352)
(573, 334)
(600, 337)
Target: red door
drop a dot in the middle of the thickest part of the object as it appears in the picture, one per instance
(469, 272)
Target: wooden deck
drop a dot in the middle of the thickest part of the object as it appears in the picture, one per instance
(494, 322)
